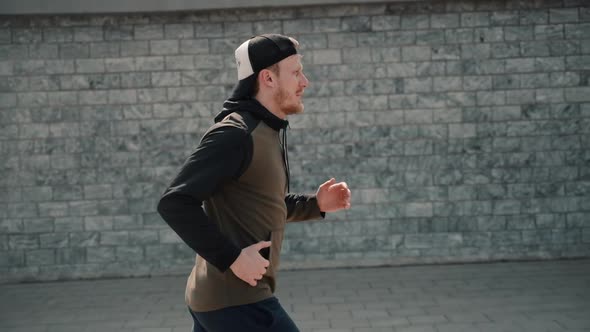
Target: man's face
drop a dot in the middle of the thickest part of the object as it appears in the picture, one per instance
(291, 85)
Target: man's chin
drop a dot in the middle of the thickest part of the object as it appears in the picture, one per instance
(294, 110)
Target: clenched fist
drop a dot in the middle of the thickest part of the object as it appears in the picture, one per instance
(333, 196)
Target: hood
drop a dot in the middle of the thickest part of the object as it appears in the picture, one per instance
(254, 107)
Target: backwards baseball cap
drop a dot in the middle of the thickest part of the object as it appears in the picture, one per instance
(258, 53)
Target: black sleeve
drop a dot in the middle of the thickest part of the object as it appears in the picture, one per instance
(302, 207)
(221, 156)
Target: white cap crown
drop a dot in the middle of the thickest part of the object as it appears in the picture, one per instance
(243, 61)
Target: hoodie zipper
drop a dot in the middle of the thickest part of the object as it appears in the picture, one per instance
(284, 148)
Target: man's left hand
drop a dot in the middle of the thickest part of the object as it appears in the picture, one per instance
(333, 196)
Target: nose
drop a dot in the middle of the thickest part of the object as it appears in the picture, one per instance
(304, 81)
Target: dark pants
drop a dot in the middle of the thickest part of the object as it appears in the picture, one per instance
(263, 316)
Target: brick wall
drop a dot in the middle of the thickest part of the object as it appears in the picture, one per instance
(463, 129)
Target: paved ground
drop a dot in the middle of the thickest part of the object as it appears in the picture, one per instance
(527, 296)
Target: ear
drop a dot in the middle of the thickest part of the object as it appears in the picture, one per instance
(266, 78)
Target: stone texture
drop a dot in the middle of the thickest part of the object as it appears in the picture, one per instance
(461, 128)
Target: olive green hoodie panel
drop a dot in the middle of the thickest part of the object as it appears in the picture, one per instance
(248, 210)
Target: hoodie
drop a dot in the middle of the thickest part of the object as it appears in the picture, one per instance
(232, 192)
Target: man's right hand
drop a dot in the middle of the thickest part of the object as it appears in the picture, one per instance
(250, 266)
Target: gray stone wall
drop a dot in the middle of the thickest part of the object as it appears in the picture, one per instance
(462, 128)
(35, 7)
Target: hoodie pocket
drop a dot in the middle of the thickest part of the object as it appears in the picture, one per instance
(265, 252)
(273, 255)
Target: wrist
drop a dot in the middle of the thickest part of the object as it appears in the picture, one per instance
(317, 201)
